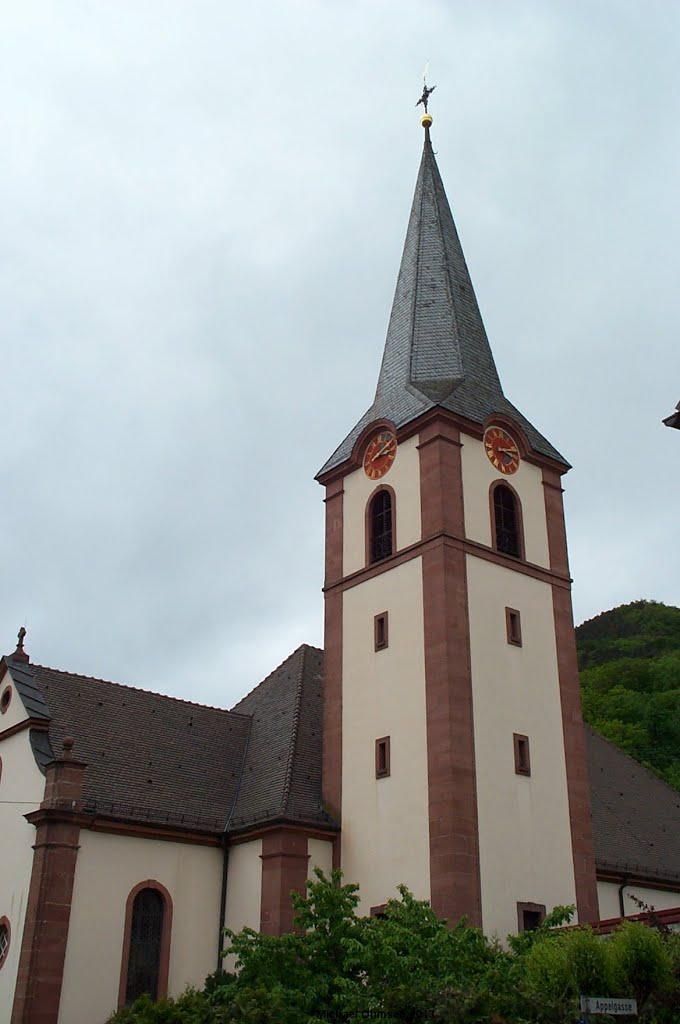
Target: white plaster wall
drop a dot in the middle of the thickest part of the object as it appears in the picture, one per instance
(22, 786)
(478, 475)
(320, 856)
(524, 830)
(608, 897)
(404, 477)
(107, 868)
(385, 828)
(16, 712)
(244, 891)
(244, 886)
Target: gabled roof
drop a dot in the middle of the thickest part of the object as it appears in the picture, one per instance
(149, 757)
(282, 769)
(437, 351)
(636, 816)
(164, 761)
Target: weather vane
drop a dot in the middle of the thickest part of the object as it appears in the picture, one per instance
(424, 99)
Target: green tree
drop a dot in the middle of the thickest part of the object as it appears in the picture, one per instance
(630, 682)
(410, 966)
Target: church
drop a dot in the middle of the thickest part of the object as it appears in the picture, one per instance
(436, 741)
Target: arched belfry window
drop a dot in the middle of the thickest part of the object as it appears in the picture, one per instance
(507, 521)
(380, 525)
(146, 945)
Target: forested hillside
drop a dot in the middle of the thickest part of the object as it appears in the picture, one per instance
(629, 659)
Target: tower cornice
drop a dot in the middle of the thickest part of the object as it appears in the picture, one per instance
(467, 426)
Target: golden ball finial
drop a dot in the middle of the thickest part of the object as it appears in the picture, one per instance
(426, 120)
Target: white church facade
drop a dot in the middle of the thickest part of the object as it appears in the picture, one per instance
(437, 741)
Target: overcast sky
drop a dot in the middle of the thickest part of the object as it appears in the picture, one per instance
(202, 210)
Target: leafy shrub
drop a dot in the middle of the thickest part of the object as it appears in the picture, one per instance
(410, 966)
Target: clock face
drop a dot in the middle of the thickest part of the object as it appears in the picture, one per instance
(501, 450)
(380, 454)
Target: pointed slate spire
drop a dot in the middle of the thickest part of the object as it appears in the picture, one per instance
(436, 351)
(436, 337)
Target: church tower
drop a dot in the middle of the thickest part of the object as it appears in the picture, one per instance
(453, 741)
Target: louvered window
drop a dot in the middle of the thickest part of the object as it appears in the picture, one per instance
(4, 940)
(380, 520)
(506, 522)
(145, 945)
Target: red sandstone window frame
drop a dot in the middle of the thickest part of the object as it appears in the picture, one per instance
(5, 699)
(380, 631)
(522, 755)
(166, 935)
(521, 556)
(513, 626)
(4, 923)
(368, 524)
(529, 908)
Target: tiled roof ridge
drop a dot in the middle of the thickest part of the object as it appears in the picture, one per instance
(299, 685)
(273, 672)
(136, 689)
(638, 764)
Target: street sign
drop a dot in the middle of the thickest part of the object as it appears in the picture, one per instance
(614, 1007)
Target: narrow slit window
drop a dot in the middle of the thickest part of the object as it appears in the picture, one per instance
(382, 757)
(380, 631)
(522, 761)
(513, 625)
(381, 526)
(506, 522)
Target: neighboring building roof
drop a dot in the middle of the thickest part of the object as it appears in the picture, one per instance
(636, 816)
(674, 419)
(437, 351)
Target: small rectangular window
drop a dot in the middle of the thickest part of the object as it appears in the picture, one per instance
(522, 762)
(382, 757)
(530, 916)
(380, 631)
(513, 625)
(379, 911)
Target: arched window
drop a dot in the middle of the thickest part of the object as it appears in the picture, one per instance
(146, 946)
(507, 521)
(380, 526)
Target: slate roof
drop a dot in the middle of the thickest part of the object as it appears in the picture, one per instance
(149, 757)
(157, 759)
(282, 770)
(636, 816)
(437, 351)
